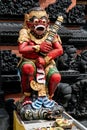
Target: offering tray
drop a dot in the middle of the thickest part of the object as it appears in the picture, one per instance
(50, 124)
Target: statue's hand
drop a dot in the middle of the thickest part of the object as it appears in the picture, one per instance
(72, 5)
(45, 47)
(40, 62)
(45, 3)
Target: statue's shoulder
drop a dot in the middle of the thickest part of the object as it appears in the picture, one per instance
(23, 36)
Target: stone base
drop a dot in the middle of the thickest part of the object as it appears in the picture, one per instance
(27, 112)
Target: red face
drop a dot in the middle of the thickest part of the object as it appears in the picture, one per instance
(38, 25)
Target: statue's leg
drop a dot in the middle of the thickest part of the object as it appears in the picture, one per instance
(53, 78)
(53, 81)
(27, 71)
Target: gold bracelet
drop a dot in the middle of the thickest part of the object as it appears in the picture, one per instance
(47, 59)
(37, 48)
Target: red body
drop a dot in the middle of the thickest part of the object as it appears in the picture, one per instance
(28, 70)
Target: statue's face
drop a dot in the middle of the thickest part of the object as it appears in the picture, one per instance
(38, 22)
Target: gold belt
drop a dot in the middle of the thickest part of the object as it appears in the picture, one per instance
(24, 59)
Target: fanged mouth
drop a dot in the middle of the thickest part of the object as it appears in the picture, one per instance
(40, 28)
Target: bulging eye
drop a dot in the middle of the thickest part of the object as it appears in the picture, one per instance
(36, 20)
(44, 20)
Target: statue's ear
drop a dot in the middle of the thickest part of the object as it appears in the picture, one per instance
(26, 17)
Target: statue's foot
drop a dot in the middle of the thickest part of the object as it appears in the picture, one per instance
(48, 103)
(43, 101)
(38, 103)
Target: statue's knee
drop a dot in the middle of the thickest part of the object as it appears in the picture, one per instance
(56, 77)
(27, 69)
